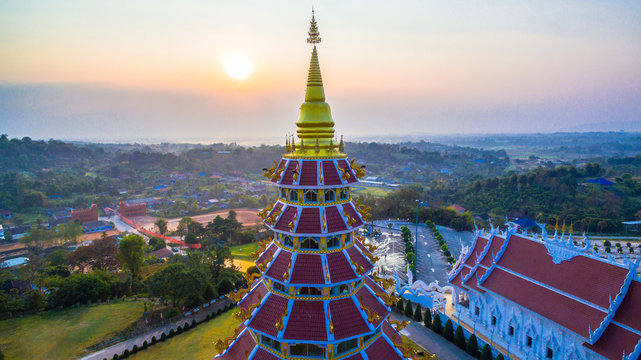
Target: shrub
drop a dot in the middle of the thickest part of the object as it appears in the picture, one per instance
(437, 327)
(186, 326)
(172, 332)
(408, 309)
(448, 330)
(486, 353)
(145, 344)
(459, 337)
(134, 349)
(500, 357)
(163, 337)
(179, 330)
(418, 313)
(193, 323)
(220, 311)
(427, 319)
(225, 285)
(115, 357)
(472, 347)
(153, 340)
(125, 353)
(399, 306)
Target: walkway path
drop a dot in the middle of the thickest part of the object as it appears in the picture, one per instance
(431, 341)
(120, 347)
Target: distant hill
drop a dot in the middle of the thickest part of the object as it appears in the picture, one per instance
(632, 126)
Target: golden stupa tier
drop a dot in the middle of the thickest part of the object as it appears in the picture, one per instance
(316, 173)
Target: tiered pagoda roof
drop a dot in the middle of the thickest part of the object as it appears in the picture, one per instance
(597, 299)
(314, 297)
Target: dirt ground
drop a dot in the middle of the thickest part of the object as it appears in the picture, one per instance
(96, 236)
(249, 218)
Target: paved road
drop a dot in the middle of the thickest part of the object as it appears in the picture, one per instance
(120, 347)
(430, 341)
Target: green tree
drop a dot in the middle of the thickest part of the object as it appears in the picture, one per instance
(161, 225)
(177, 283)
(418, 313)
(69, 232)
(131, 254)
(399, 306)
(459, 337)
(472, 347)
(408, 309)
(486, 353)
(448, 330)
(183, 226)
(427, 319)
(437, 327)
(500, 357)
(225, 285)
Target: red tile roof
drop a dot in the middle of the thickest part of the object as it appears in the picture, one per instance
(307, 321)
(330, 174)
(268, 314)
(309, 222)
(477, 250)
(279, 266)
(560, 309)
(495, 246)
(263, 354)
(242, 347)
(391, 333)
(271, 249)
(629, 312)
(348, 209)
(344, 165)
(286, 218)
(308, 269)
(347, 319)
(358, 258)
(587, 278)
(335, 222)
(339, 268)
(366, 298)
(381, 349)
(288, 176)
(309, 174)
(256, 295)
(614, 341)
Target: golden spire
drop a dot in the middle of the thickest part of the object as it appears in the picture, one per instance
(315, 126)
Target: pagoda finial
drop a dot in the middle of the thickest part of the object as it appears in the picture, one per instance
(313, 34)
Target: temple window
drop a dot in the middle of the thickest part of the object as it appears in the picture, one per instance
(269, 342)
(308, 290)
(306, 350)
(367, 337)
(311, 196)
(346, 346)
(344, 194)
(529, 341)
(333, 242)
(293, 196)
(309, 243)
(283, 193)
(280, 287)
(549, 354)
(348, 238)
(339, 289)
(287, 241)
(493, 320)
(511, 331)
(477, 311)
(330, 195)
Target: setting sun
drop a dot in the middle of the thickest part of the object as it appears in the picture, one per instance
(238, 66)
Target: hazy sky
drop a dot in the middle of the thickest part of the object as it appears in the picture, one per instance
(82, 69)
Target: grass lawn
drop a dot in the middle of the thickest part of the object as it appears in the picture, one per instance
(243, 252)
(67, 333)
(373, 191)
(194, 344)
(415, 346)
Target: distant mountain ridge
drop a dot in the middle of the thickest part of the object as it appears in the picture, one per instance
(632, 126)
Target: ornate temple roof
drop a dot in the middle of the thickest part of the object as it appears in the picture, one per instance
(596, 299)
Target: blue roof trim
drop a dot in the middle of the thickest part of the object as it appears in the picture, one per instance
(496, 258)
(636, 354)
(479, 258)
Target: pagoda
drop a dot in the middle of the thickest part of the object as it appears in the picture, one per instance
(315, 296)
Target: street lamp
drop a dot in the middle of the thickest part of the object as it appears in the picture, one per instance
(419, 203)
